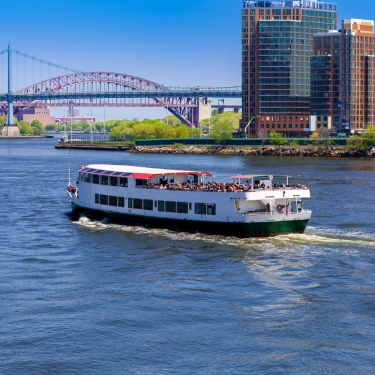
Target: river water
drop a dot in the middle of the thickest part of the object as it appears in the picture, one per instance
(86, 297)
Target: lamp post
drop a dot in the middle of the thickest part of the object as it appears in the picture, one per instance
(248, 124)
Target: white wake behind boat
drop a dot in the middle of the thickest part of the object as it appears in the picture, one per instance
(248, 206)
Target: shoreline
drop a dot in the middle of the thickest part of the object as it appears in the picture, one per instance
(303, 151)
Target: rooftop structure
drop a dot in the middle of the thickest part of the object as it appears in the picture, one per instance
(312, 4)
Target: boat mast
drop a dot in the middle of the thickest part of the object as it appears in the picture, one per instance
(69, 176)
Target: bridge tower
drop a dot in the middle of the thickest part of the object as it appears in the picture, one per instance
(201, 111)
(10, 129)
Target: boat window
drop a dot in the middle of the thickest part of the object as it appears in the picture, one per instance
(155, 204)
(299, 206)
(182, 207)
(170, 206)
(95, 179)
(171, 179)
(121, 202)
(148, 204)
(140, 182)
(211, 209)
(137, 203)
(130, 203)
(200, 208)
(97, 198)
(190, 206)
(161, 206)
(87, 177)
(104, 180)
(112, 201)
(82, 177)
(113, 181)
(123, 182)
(104, 199)
(293, 206)
(192, 178)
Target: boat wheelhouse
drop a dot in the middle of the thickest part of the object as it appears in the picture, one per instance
(248, 206)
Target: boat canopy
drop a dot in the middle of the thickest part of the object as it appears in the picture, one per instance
(136, 172)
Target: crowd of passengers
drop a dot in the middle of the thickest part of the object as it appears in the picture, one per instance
(221, 187)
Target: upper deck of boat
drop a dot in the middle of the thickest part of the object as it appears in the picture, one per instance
(136, 172)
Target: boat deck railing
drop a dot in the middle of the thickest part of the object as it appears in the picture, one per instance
(218, 189)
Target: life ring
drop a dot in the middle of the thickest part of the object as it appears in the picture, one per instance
(279, 207)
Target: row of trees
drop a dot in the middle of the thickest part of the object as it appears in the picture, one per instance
(319, 138)
(220, 127)
(84, 126)
(25, 128)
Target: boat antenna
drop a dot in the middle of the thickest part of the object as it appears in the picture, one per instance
(69, 176)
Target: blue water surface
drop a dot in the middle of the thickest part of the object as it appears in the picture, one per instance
(93, 297)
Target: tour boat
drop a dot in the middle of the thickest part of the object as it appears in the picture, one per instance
(248, 206)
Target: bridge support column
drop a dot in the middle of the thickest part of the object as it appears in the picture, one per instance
(10, 129)
(202, 111)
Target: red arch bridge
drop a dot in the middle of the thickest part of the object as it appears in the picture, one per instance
(104, 89)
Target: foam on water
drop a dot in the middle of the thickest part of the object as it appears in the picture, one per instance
(314, 236)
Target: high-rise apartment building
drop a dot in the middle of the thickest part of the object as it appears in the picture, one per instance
(277, 43)
(343, 77)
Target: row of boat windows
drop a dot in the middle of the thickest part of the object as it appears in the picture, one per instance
(103, 180)
(117, 181)
(161, 206)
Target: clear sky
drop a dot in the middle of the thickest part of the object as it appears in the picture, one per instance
(187, 43)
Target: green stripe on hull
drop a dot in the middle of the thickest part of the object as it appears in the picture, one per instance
(264, 229)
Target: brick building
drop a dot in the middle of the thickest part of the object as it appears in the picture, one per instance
(277, 43)
(43, 114)
(343, 77)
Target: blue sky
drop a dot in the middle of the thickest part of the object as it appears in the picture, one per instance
(190, 42)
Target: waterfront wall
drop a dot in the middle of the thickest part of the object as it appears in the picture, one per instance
(235, 141)
(307, 151)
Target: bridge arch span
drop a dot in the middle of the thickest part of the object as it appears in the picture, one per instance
(111, 81)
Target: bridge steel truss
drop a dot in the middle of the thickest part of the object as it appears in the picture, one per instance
(106, 89)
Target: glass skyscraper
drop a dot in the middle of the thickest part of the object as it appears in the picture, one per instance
(277, 42)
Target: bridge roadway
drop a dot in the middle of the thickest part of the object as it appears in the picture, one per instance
(175, 93)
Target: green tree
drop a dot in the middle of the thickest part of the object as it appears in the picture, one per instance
(356, 142)
(369, 135)
(50, 127)
(277, 138)
(232, 117)
(37, 127)
(222, 131)
(182, 131)
(172, 121)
